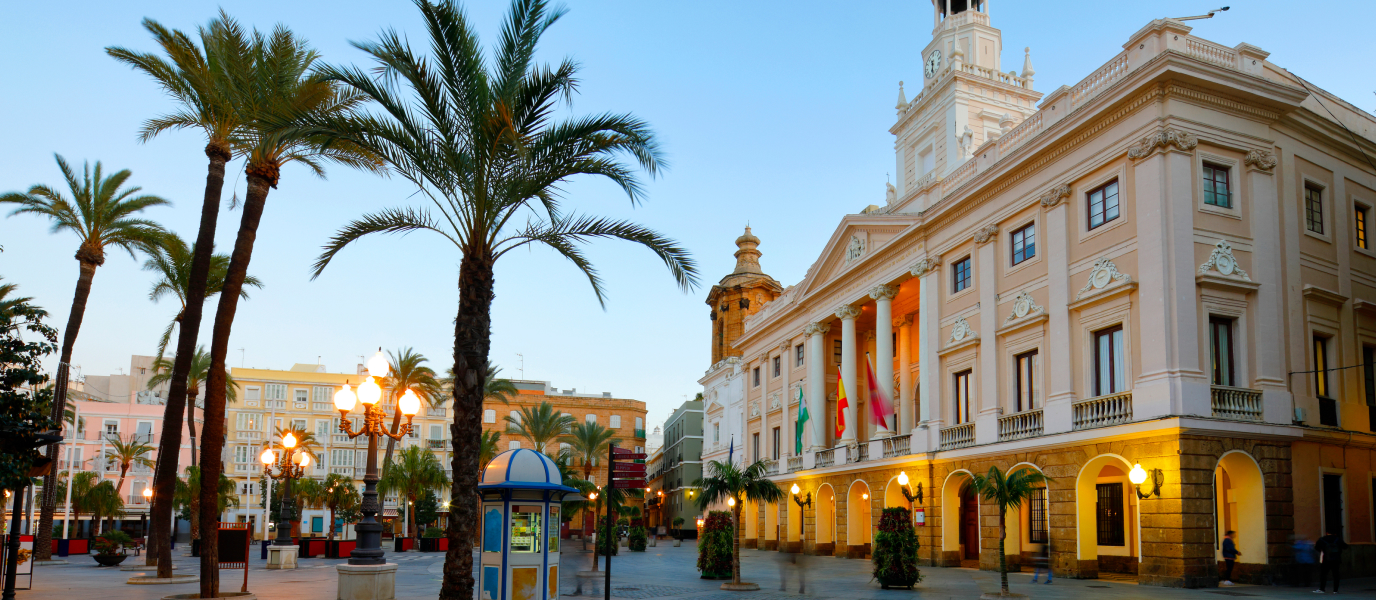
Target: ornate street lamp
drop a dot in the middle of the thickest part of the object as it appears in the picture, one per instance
(291, 464)
(802, 516)
(369, 548)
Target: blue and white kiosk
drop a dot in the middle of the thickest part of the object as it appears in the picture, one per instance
(521, 492)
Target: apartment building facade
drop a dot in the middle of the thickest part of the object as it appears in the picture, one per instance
(678, 465)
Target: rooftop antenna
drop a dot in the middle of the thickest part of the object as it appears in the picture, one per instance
(241, 358)
(1208, 16)
(522, 368)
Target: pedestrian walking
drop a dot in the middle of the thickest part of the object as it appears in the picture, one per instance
(1303, 549)
(791, 564)
(1042, 562)
(1230, 554)
(1330, 548)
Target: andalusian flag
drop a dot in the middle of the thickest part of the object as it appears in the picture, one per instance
(802, 419)
(841, 404)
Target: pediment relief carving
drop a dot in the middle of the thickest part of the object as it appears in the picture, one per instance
(1023, 307)
(1102, 278)
(1222, 261)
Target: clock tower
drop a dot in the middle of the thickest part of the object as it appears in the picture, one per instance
(965, 100)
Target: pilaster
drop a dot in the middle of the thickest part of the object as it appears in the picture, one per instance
(1259, 166)
(1057, 370)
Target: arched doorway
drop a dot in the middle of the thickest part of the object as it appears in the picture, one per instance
(1240, 497)
(794, 524)
(1107, 525)
(959, 519)
(858, 522)
(893, 495)
(1028, 526)
(825, 504)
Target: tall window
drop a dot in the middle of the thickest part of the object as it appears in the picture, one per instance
(1221, 350)
(960, 275)
(755, 377)
(1333, 503)
(1360, 213)
(755, 446)
(1109, 376)
(1039, 531)
(836, 351)
(1328, 406)
(1024, 243)
(1110, 514)
(1025, 380)
(716, 432)
(1217, 191)
(798, 355)
(1369, 375)
(778, 364)
(1103, 204)
(774, 452)
(1313, 208)
(962, 396)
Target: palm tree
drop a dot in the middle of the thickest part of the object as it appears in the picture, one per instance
(103, 501)
(305, 441)
(540, 424)
(81, 500)
(102, 212)
(487, 451)
(9, 304)
(340, 494)
(588, 442)
(282, 85)
(1007, 491)
(406, 370)
(307, 493)
(480, 140)
(201, 85)
(728, 481)
(172, 263)
(195, 377)
(494, 387)
(125, 455)
(416, 471)
(187, 498)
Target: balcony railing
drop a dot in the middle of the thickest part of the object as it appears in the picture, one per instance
(436, 444)
(1020, 425)
(435, 412)
(1103, 411)
(957, 436)
(322, 406)
(795, 463)
(340, 438)
(640, 434)
(897, 445)
(771, 467)
(826, 458)
(249, 435)
(275, 404)
(1240, 404)
(863, 453)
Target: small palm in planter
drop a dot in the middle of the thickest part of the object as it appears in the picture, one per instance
(1007, 491)
(895, 550)
(716, 546)
(678, 536)
(110, 547)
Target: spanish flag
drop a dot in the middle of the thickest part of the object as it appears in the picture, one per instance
(841, 404)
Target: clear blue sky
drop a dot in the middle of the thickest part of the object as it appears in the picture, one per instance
(776, 113)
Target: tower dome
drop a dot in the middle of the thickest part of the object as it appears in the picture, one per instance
(522, 469)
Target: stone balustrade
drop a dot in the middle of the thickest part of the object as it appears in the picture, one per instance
(1114, 409)
(771, 467)
(898, 445)
(795, 463)
(826, 458)
(958, 436)
(1020, 425)
(1239, 404)
(862, 453)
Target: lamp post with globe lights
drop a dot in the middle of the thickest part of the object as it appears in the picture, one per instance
(291, 464)
(369, 548)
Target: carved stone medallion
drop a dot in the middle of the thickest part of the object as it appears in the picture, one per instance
(1103, 274)
(960, 330)
(1055, 195)
(1223, 261)
(1023, 306)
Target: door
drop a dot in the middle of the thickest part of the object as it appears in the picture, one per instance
(969, 523)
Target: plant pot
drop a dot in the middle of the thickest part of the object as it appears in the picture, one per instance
(109, 560)
(888, 582)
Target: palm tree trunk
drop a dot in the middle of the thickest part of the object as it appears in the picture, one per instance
(411, 516)
(472, 342)
(191, 423)
(391, 443)
(1003, 560)
(736, 544)
(213, 433)
(331, 522)
(165, 478)
(43, 542)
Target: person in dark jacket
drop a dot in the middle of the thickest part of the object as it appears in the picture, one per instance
(1330, 548)
(1303, 551)
(1230, 555)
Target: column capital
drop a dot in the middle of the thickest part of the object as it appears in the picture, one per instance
(1164, 140)
(903, 321)
(816, 329)
(846, 312)
(1055, 196)
(986, 234)
(924, 266)
(883, 292)
(1260, 160)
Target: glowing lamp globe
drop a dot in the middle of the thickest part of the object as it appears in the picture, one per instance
(301, 459)
(289, 440)
(795, 489)
(345, 399)
(409, 403)
(267, 457)
(864, 496)
(730, 501)
(902, 478)
(369, 392)
(1138, 475)
(147, 492)
(592, 496)
(377, 365)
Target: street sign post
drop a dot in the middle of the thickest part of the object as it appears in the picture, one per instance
(628, 484)
(630, 469)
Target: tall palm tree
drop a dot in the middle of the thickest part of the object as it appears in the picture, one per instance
(200, 370)
(540, 424)
(103, 214)
(340, 494)
(480, 140)
(416, 471)
(487, 450)
(200, 82)
(282, 85)
(406, 370)
(187, 498)
(726, 481)
(1007, 491)
(172, 263)
(125, 455)
(494, 387)
(588, 442)
(81, 500)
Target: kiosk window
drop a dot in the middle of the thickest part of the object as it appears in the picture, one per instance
(492, 529)
(525, 528)
(554, 524)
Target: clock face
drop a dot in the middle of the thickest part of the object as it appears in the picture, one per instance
(933, 63)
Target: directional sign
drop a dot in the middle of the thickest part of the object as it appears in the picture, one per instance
(620, 450)
(628, 468)
(628, 484)
(629, 456)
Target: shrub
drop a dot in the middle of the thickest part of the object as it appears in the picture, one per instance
(714, 549)
(112, 542)
(678, 524)
(434, 532)
(606, 540)
(636, 541)
(895, 549)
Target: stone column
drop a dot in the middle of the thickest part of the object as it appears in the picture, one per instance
(883, 346)
(816, 383)
(929, 330)
(847, 314)
(1056, 369)
(1266, 266)
(786, 428)
(986, 273)
(905, 397)
(764, 407)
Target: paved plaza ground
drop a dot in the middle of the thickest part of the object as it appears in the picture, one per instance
(661, 572)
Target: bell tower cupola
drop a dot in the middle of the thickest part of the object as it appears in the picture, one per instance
(740, 294)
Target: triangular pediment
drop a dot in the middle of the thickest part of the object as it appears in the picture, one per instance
(856, 239)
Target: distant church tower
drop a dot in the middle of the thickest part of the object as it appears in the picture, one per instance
(739, 294)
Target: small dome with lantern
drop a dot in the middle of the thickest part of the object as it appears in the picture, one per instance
(522, 469)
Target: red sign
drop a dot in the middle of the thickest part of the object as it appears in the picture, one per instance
(630, 456)
(620, 450)
(628, 468)
(628, 484)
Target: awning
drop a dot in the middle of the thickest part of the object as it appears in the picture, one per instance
(389, 512)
